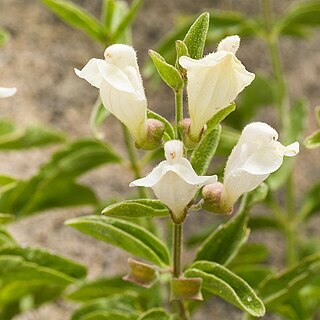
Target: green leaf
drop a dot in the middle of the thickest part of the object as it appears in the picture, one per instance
(182, 50)
(103, 287)
(3, 37)
(108, 315)
(126, 21)
(278, 178)
(203, 153)
(313, 140)
(221, 115)
(224, 243)
(257, 195)
(118, 303)
(5, 238)
(77, 18)
(251, 253)
(98, 114)
(126, 235)
(168, 127)
(281, 285)
(137, 208)
(169, 74)
(299, 18)
(46, 259)
(311, 203)
(108, 10)
(6, 217)
(195, 38)
(253, 274)
(32, 136)
(249, 102)
(297, 120)
(264, 222)
(220, 281)
(54, 185)
(14, 268)
(155, 314)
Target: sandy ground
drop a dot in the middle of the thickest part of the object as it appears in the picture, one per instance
(39, 60)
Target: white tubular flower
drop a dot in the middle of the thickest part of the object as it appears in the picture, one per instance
(214, 82)
(174, 181)
(121, 88)
(7, 92)
(255, 156)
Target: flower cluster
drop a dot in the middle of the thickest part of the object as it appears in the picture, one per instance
(213, 83)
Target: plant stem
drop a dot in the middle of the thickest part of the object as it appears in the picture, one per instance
(179, 111)
(133, 158)
(177, 249)
(272, 40)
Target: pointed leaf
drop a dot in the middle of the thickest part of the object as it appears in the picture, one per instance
(32, 136)
(196, 37)
(221, 115)
(313, 140)
(98, 114)
(77, 17)
(155, 314)
(169, 74)
(6, 238)
(299, 17)
(311, 204)
(230, 287)
(46, 259)
(117, 303)
(137, 208)
(126, 20)
(202, 155)
(108, 315)
(14, 268)
(5, 217)
(101, 288)
(281, 285)
(181, 50)
(224, 243)
(125, 235)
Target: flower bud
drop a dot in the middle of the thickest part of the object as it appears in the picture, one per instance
(189, 141)
(186, 289)
(212, 199)
(155, 130)
(142, 274)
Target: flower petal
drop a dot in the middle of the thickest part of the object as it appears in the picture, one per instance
(7, 92)
(152, 178)
(91, 72)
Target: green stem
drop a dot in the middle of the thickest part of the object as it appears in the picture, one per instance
(179, 112)
(133, 159)
(177, 249)
(272, 40)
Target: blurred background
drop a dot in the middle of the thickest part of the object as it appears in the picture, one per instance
(39, 59)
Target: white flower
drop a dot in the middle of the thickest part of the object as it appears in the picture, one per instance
(121, 88)
(214, 82)
(7, 92)
(174, 181)
(255, 156)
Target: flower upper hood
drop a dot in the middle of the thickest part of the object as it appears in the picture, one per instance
(214, 82)
(255, 156)
(121, 88)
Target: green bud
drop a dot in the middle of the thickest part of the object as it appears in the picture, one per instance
(155, 131)
(186, 289)
(142, 274)
(212, 199)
